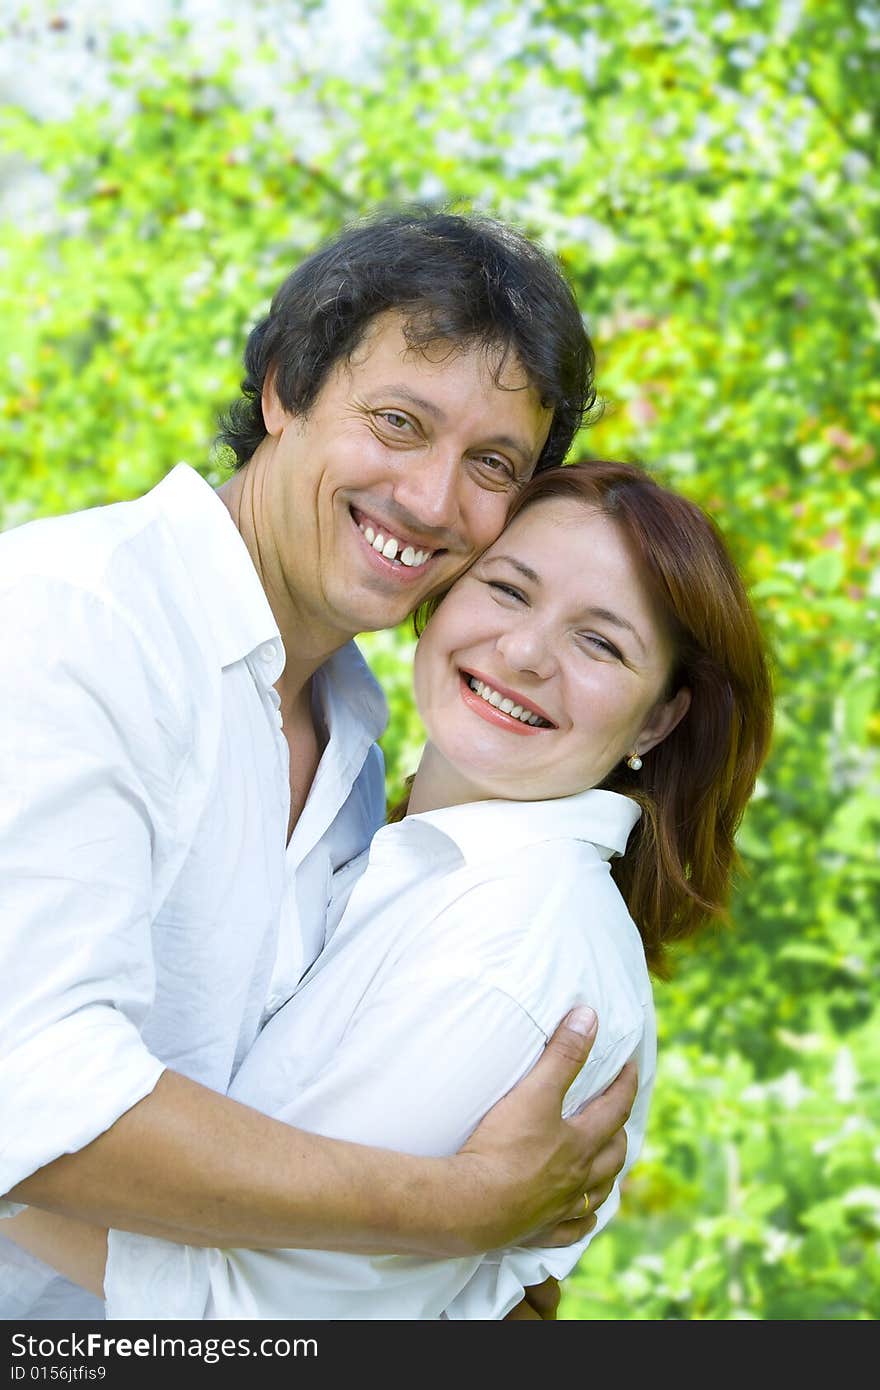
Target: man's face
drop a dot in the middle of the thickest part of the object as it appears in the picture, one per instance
(396, 479)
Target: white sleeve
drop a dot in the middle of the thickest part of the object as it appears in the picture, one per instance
(439, 1036)
(84, 784)
(415, 1072)
(502, 1277)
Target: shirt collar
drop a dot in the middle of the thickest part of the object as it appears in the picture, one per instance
(213, 551)
(480, 828)
(351, 699)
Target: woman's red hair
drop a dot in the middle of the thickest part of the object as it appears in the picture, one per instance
(694, 786)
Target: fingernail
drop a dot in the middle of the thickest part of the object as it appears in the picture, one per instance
(582, 1020)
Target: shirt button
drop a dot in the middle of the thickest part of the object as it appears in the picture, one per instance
(268, 653)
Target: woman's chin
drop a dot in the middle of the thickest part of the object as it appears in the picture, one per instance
(497, 784)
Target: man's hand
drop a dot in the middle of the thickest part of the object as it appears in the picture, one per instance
(537, 1168)
(540, 1303)
(605, 1167)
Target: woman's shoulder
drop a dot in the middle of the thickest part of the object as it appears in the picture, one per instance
(556, 879)
(548, 926)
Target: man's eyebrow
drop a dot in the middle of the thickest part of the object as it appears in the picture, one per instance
(501, 441)
(404, 393)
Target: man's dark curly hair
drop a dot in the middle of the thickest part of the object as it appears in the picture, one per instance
(466, 279)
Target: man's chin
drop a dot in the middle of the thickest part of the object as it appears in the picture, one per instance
(380, 611)
(371, 617)
(372, 622)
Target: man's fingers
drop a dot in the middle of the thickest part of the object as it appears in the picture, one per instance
(598, 1192)
(606, 1114)
(544, 1298)
(562, 1234)
(577, 1210)
(566, 1051)
(605, 1167)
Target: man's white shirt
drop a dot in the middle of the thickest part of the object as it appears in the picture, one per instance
(144, 802)
(450, 960)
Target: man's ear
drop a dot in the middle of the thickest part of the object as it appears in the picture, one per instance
(275, 417)
(663, 720)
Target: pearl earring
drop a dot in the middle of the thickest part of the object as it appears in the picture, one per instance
(634, 762)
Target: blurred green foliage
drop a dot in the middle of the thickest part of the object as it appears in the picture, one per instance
(708, 177)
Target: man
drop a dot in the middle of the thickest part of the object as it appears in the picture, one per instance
(188, 753)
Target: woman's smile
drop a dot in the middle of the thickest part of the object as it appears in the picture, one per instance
(499, 705)
(552, 636)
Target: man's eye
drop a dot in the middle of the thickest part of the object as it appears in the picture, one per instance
(393, 418)
(498, 466)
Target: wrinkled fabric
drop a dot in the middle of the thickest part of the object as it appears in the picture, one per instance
(450, 959)
(144, 802)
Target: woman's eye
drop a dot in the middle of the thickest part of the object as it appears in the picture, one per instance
(508, 590)
(601, 644)
(393, 418)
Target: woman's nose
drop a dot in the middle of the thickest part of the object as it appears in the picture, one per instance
(525, 647)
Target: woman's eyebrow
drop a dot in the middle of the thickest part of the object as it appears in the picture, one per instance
(616, 620)
(517, 565)
(604, 614)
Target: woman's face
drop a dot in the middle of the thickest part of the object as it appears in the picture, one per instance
(546, 663)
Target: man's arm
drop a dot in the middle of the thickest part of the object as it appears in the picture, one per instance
(73, 1248)
(196, 1167)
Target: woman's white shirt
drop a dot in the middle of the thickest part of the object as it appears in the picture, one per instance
(456, 944)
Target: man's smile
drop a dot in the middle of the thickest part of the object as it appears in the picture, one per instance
(397, 550)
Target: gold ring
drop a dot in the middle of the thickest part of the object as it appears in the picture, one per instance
(586, 1204)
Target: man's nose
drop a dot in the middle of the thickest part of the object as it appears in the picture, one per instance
(526, 647)
(428, 487)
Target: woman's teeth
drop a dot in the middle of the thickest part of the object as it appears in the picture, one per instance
(393, 549)
(505, 704)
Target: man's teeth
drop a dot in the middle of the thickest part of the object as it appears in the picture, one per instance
(505, 704)
(389, 546)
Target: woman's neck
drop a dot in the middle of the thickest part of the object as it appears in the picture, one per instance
(438, 784)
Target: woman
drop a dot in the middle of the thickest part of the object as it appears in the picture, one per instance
(595, 684)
